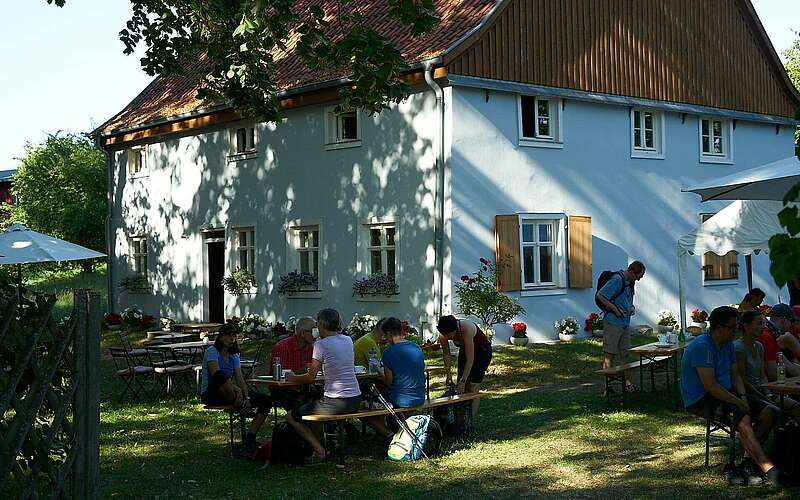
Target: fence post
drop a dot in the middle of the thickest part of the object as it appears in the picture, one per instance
(85, 480)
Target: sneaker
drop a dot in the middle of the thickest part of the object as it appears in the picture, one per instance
(751, 473)
(732, 476)
(772, 477)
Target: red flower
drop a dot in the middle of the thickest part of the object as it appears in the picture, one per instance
(471, 281)
(464, 278)
(145, 322)
(484, 261)
(113, 319)
(234, 320)
(519, 327)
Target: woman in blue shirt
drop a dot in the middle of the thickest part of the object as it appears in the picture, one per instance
(403, 367)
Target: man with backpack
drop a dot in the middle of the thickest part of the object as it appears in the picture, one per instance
(614, 296)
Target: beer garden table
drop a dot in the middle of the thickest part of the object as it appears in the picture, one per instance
(789, 387)
(652, 351)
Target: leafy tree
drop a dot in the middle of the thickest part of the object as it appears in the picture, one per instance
(61, 190)
(784, 249)
(237, 41)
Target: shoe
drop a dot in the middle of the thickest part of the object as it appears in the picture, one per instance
(751, 473)
(732, 476)
(315, 459)
(772, 477)
(251, 445)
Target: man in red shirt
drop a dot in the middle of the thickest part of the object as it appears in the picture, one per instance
(295, 354)
(776, 338)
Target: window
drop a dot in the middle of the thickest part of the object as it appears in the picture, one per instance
(138, 249)
(718, 269)
(381, 249)
(342, 129)
(243, 142)
(647, 134)
(540, 121)
(136, 160)
(246, 248)
(715, 140)
(308, 249)
(542, 250)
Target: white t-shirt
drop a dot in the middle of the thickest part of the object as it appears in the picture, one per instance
(336, 355)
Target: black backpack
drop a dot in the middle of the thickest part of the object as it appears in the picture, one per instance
(784, 452)
(603, 279)
(454, 420)
(288, 447)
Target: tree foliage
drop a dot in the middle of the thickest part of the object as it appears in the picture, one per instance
(61, 190)
(784, 249)
(239, 40)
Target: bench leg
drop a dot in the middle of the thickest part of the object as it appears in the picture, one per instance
(733, 446)
(708, 435)
(242, 427)
(340, 443)
(652, 378)
(230, 431)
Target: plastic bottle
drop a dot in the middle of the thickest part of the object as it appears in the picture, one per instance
(277, 369)
(781, 368)
(373, 361)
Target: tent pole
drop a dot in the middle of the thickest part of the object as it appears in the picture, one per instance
(19, 283)
(748, 264)
(681, 292)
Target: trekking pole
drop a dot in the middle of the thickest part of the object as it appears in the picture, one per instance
(401, 422)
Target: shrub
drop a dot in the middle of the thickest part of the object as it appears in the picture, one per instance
(478, 296)
(667, 318)
(361, 325)
(296, 281)
(238, 282)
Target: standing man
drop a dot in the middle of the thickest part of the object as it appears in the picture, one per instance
(617, 297)
(713, 388)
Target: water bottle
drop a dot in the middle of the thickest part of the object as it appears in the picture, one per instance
(373, 361)
(681, 337)
(277, 369)
(781, 368)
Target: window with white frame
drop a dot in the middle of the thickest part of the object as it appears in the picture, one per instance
(381, 249)
(243, 140)
(539, 121)
(715, 140)
(542, 250)
(307, 247)
(647, 133)
(138, 255)
(342, 128)
(246, 248)
(136, 160)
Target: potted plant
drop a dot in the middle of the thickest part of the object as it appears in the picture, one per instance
(377, 284)
(137, 283)
(478, 296)
(361, 325)
(253, 325)
(113, 321)
(666, 321)
(239, 282)
(700, 318)
(594, 325)
(295, 281)
(765, 310)
(411, 334)
(131, 316)
(567, 329)
(520, 335)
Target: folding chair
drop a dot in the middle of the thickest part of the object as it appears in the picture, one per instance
(170, 370)
(130, 372)
(249, 365)
(126, 343)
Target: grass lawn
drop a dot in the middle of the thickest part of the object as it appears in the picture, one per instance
(544, 431)
(61, 283)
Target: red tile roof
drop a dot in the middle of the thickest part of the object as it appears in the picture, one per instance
(170, 96)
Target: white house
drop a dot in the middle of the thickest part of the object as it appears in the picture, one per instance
(553, 135)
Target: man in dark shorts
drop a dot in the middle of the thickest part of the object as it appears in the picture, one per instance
(712, 388)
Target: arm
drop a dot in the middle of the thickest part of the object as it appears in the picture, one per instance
(610, 306)
(237, 373)
(446, 357)
(787, 342)
(717, 391)
(469, 356)
(309, 376)
(388, 377)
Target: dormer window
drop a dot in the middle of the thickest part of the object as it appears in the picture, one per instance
(342, 129)
(243, 142)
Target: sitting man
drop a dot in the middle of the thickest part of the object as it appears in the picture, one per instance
(295, 355)
(374, 340)
(776, 338)
(333, 353)
(712, 388)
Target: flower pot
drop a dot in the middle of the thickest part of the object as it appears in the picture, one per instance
(519, 340)
(597, 333)
(502, 333)
(664, 328)
(565, 337)
(703, 325)
(114, 327)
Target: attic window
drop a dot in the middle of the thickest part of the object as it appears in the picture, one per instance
(540, 121)
(136, 160)
(243, 142)
(716, 144)
(342, 129)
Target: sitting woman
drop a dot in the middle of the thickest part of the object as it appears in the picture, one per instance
(752, 300)
(223, 384)
(474, 354)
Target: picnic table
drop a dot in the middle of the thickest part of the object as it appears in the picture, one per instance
(654, 350)
(197, 327)
(193, 348)
(789, 387)
(173, 337)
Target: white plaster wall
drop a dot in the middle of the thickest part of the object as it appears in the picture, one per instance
(190, 185)
(637, 209)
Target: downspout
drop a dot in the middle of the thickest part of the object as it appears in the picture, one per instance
(438, 291)
(109, 209)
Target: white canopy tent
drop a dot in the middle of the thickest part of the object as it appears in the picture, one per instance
(745, 226)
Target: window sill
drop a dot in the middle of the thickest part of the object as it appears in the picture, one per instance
(304, 294)
(248, 155)
(378, 298)
(138, 291)
(251, 291)
(716, 159)
(343, 145)
(542, 292)
(535, 143)
(721, 282)
(647, 155)
(140, 175)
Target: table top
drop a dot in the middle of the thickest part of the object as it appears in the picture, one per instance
(179, 345)
(269, 382)
(652, 349)
(168, 336)
(197, 326)
(790, 386)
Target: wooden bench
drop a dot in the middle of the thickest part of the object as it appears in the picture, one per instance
(341, 418)
(713, 426)
(616, 374)
(234, 414)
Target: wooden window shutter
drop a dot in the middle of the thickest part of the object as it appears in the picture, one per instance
(580, 251)
(506, 232)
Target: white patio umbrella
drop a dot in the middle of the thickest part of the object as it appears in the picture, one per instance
(767, 182)
(20, 245)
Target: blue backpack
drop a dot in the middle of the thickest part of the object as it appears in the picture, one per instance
(426, 439)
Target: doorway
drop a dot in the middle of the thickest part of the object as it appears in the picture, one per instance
(215, 252)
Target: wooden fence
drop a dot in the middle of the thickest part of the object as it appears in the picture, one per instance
(49, 398)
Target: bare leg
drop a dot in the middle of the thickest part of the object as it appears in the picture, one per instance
(752, 446)
(766, 421)
(476, 403)
(307, 434)
(257, 422)
(608, 360)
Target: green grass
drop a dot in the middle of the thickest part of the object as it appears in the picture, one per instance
(544, 431)
(61, 283)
